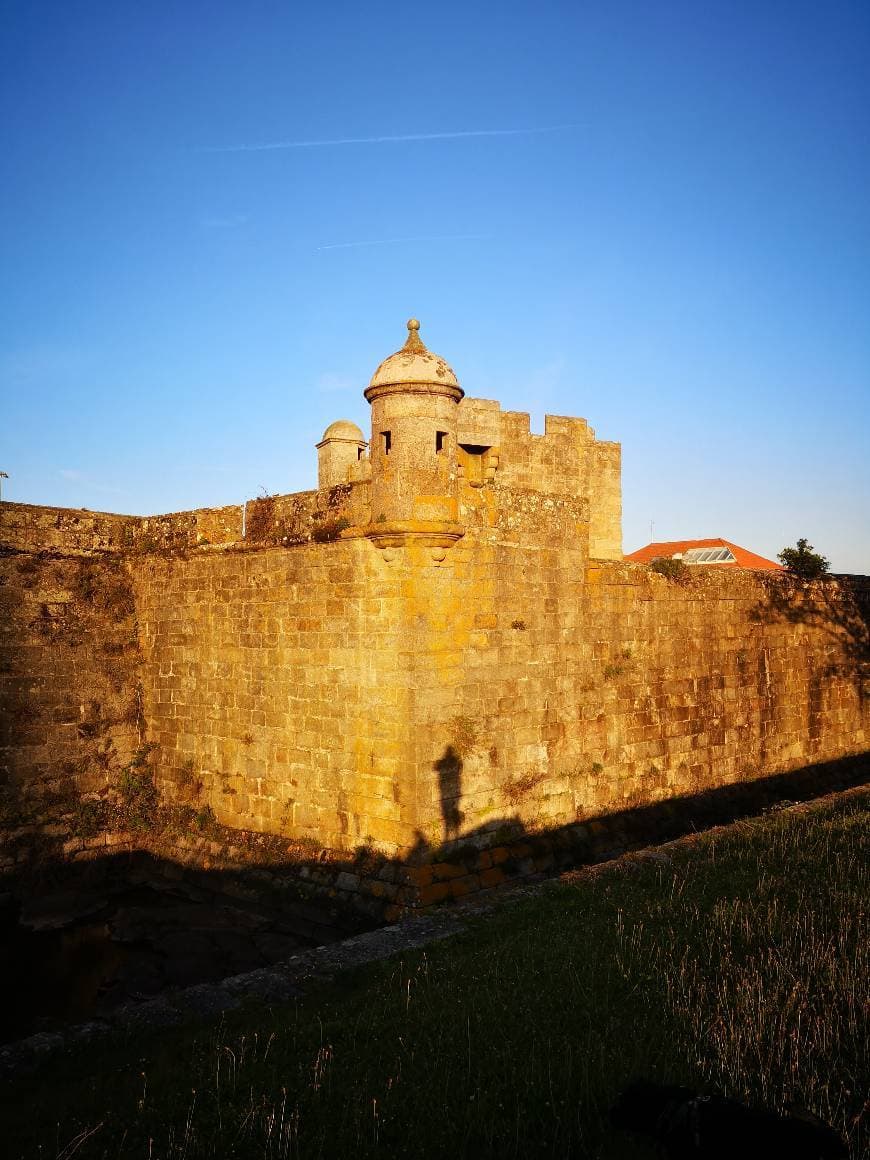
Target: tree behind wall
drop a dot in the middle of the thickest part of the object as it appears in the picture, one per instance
(803, 561)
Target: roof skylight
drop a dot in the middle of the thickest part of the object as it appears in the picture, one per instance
(709, 556)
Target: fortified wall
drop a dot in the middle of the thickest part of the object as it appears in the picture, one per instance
(437, 645)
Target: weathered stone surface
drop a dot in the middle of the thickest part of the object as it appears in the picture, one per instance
(488, 670)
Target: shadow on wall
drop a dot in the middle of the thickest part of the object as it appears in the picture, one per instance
(606, 836)
(840, 611)
(449, 770)
(123, 927)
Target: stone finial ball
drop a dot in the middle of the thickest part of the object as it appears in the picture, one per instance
(413, 324)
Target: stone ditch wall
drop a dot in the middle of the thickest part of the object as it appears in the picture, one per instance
(329, 894)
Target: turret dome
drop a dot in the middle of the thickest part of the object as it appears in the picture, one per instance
(344, 429)
(414, 364)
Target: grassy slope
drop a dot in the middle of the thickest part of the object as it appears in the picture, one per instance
(741, 966)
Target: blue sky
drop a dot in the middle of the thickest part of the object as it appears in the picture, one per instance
(655, 216)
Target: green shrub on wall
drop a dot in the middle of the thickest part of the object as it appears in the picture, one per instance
(670, 568)
(138, 796)
(329, 530)
(90, 817)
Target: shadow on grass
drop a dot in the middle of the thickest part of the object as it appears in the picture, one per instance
(732, 966)
(128, 926)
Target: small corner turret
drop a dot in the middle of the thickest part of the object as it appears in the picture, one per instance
(339, 454)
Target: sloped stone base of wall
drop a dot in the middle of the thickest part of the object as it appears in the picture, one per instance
(328, 889)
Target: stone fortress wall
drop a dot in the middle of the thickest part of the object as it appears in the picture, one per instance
(71, 706)
(329, 694)
(440, 642)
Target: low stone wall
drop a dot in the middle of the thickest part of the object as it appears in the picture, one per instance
(286, 520)
(318, 516)
(30, 528)
(184, 530)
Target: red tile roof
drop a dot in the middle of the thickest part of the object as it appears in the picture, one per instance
(742, 557)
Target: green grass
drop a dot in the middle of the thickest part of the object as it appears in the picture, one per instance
(740, 967)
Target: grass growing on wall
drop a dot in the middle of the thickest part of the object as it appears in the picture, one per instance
(739, 966)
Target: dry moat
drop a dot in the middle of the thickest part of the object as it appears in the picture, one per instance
(80, 940)
(135, 928)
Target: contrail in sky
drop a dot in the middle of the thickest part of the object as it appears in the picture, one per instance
(269, 145)
(395, 241)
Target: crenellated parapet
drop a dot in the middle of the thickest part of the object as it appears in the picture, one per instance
(439, 462)
(497, 449)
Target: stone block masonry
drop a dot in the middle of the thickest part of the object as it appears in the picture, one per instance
(353, 697)
(341, 695)
(440, 647)
(71, 708)
(27, 527)
(560, 690)
(274, 684)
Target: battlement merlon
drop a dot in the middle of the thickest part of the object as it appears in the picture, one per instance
(566, 460)
(483, 421)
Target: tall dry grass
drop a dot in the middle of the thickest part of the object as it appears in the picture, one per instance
(738, 965)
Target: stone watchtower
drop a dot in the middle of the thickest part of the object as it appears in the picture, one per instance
(414, 396)
(339, 453)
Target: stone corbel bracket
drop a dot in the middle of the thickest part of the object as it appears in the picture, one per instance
(437, 536)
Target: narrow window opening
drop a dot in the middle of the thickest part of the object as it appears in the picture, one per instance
(473, 463)
(387, 440)
(359, 452)
(440, 442)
